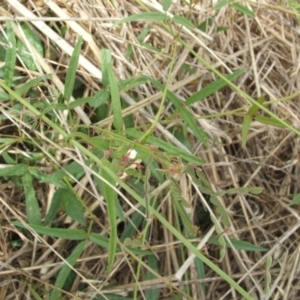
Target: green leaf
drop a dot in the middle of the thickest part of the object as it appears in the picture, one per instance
(183, 21)
(100, 97)
(254, 108)
(221, 4)
(147, 16)
(238, 244)
(71, 204)
(245, 129)
(153, 293)
(296, 200)
(80, 101)
(110, 196)
(243, 9)
(62, 233)
(24, 54)
(220, 210)
(109, 79)
(72, 70)
(17, 170)
(105, 56)
(115, 100)
(166, 4)
(212, 88)
(32, 205)
(10, 56)
(54, 207)
(220, 237)
(4, 96)
(133, 82)
(74, 169)
(65, 271)
(25, 87)
(184, 112)
(242, 190)
(269, 121)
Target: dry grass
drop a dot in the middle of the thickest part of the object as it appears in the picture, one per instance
(268, 48)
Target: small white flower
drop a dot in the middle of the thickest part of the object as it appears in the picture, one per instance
(131, 153)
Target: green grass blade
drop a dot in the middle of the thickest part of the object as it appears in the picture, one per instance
(32, 206)
(62, 233)
(10, 56)
(109, 79)
(243, 9)
(105, 56)
(65, 270)
(24, 53)
(17, 170)
(110, 196)
(72, 205)
(184, 112)
(72, 70)
(183, 21)
(245, 129)
(115, 100)
(213, 87)
(152, 294)
(147, 16)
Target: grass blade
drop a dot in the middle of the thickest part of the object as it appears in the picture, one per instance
(32, 205)
(10, 56)
(62, 233)
(65, 270)
(71, 71)
(110, 196)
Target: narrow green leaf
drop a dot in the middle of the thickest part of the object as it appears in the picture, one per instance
(245, 129)
(153, 293)
(32, 206)
(71, 71)
(100, 97)
(54, 207)
(147, 16)
(133, 82)
(17, 170)
(80, 101)
(183, 21)
(99, 240)
(296, 200)
(269, 121)
(254, 108)
(221, 4)
(242, 190)
(65, 271)
(74, 169)
(4, 97)
(220, 210)
(24, 53)
(243, 9)
(238, 244)
(105, 57)
(68, 234)
(72, 206)
(184, 112)
(212, 87)
(166, 4)
(110, 196)
(115, 100)
(27, 86)
(10, 56)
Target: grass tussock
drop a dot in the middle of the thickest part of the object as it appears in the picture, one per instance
(149, 150)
